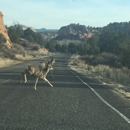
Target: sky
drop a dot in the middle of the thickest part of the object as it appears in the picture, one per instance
(53, 14)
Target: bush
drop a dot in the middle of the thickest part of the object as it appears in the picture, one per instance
(105, 72)
(17, 49)
(103, 59)
(35, 48)
(6, 52)
(2, 39)
(10, 52)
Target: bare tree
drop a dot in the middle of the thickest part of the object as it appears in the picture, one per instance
(38, 72)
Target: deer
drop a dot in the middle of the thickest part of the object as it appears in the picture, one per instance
(38, 72)
(43, 64)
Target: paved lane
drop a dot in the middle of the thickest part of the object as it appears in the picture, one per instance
(69, 105)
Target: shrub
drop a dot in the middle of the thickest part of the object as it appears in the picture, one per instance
(103, 59)
(10, 52)
(2, 39)
(35, 48)
(118, 75)
(17, 49)
(107, 59)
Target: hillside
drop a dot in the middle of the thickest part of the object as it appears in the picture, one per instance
(72, 31)
(76, 32)
(119, 26)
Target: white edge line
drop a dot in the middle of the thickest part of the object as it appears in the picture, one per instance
(123, 116)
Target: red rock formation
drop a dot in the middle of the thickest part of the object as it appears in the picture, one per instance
(3, 31)
(75, 32)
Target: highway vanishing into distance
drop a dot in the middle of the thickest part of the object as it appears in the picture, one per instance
(74, 103)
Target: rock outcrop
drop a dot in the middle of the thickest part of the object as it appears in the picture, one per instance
(3, 31)
(75, 31)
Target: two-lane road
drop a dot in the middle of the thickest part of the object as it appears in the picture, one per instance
(70, 105)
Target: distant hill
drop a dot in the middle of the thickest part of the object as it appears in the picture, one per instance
(46, 30)
(36, 30)
(24, 27)
(40, 30)
(119, 26)
(72, 31)
(76, 31)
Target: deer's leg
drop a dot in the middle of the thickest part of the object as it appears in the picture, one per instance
(25, 77)
(47, 81)
(36, 83)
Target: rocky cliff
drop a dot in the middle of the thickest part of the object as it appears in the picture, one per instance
(75, 31)
(3, 31)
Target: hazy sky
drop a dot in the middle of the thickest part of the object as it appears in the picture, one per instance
(53, 14)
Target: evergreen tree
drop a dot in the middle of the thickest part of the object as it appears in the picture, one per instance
(13, 34)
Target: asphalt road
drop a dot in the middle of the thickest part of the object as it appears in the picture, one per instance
(74, 103)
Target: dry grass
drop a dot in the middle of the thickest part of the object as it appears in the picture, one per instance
(17, 53)
(118, 79)
(5, 62)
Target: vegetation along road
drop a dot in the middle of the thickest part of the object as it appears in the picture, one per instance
(74, 103)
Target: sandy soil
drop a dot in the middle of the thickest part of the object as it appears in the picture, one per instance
(121, 89)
